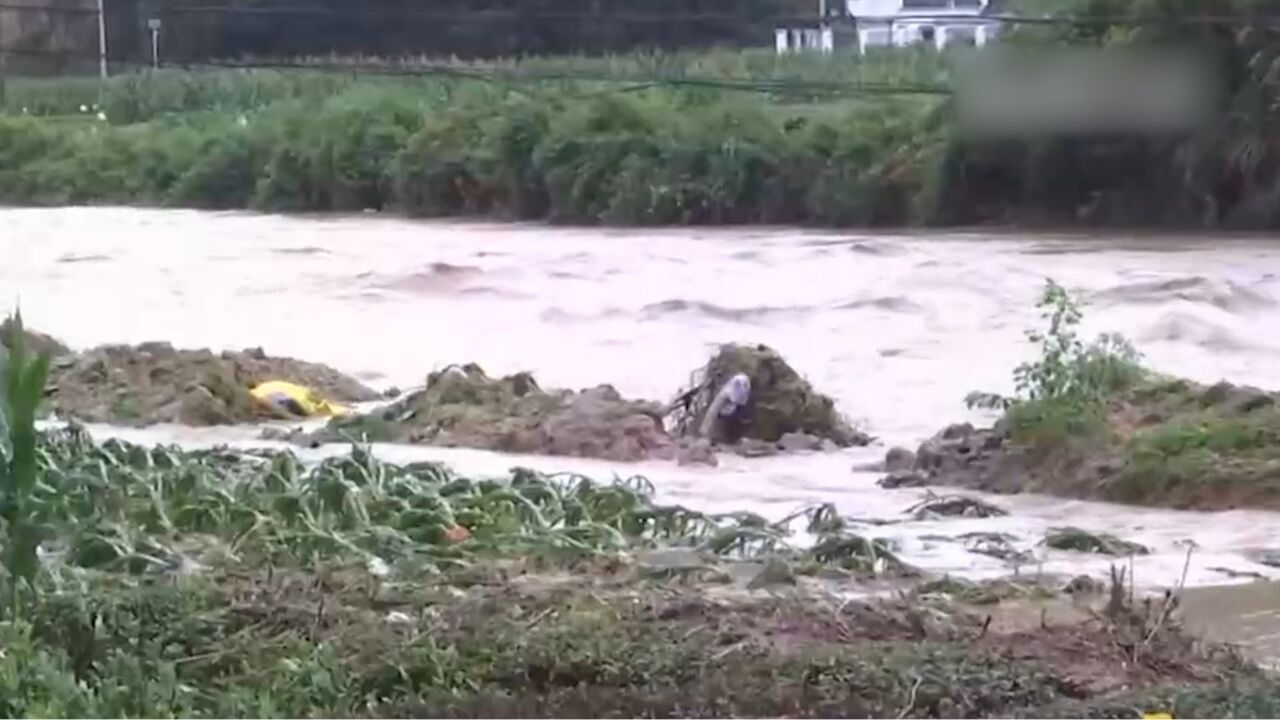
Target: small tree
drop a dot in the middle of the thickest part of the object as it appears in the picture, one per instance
(1063, 393)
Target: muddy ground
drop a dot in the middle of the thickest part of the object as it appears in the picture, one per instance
(462, 406)
(619, 640)
(156, 383)
(1166, 442)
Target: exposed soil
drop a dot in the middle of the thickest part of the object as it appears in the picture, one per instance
(1166, 443)
(464, 407)
(155, 383)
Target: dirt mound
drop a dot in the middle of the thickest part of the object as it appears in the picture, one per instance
(1166, 442)
(155, 383)
(461, 406)
(782, 404)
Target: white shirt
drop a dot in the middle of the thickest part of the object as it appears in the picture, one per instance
(732, 396)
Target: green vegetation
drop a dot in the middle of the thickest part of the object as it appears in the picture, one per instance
(549, 142)
(1217, 446)
(1088, 419)
(1077, 540)
(1063, 396)
(20, 394)
(685, 137)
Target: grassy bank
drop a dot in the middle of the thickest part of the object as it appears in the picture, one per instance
(148, 582)
(562, 146)
(694, 137)
(1089, 420)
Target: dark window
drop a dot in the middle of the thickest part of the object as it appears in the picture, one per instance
(928, 33)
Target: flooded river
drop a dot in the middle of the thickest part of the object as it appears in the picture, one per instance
(899, 328)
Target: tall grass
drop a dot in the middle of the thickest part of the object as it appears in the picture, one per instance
(144, 96)
(567, 151)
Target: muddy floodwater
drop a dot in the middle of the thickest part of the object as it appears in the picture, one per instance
(898, 328)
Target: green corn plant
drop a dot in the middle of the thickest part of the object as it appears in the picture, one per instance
(21, 389)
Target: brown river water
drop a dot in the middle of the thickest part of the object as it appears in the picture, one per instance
(899, 328)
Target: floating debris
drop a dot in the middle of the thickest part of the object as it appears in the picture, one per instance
(1077, 540)
(1237, 574)
(935, 506)
(996, 545)
(1083, 585)
(903, 479)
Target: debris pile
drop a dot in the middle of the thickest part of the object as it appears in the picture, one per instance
(461, 406)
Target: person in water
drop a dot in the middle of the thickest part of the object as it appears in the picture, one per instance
(728, 416)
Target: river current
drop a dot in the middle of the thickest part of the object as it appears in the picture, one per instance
(897, 327)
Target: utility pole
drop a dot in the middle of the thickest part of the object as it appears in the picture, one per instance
(4, 62)
(153, 24)
(826, 42)
(102, 39)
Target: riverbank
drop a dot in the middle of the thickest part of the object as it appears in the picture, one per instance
(717, 138)
(554, 141)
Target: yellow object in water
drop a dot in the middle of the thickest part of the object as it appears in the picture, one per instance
(1156, 716)
(296, 399)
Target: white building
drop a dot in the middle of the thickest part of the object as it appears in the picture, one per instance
(802, 39)
(899, 23)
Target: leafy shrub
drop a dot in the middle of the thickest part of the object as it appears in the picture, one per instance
(335, 157)
(1063, 394)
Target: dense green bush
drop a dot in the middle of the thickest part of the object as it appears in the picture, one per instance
(657, 156)
(337, 156)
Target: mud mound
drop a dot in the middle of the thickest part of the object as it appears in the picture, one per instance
(781, 402)
(155, 383)
(464, 407)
